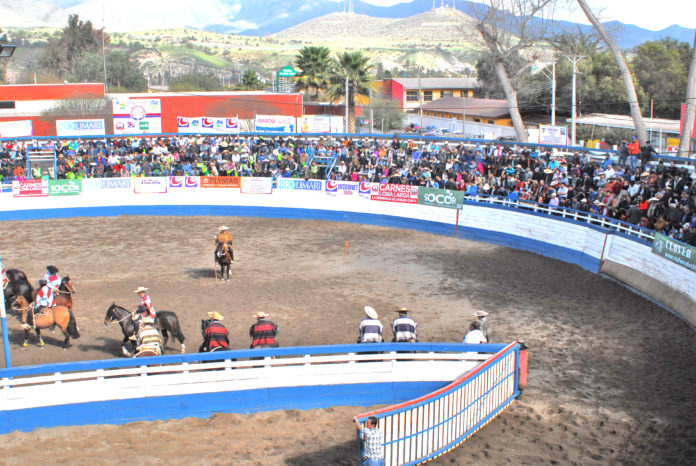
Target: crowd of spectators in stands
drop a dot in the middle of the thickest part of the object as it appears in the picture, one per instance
(653, 195)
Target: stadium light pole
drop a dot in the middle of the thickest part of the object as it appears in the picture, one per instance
(5, 337)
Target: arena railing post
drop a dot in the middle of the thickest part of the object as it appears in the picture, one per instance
(5, 337)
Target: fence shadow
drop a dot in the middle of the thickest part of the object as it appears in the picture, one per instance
(342, 454)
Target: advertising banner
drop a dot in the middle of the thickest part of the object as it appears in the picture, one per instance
(395, 193)
(80, 128)
(348, 188)
(184, 182)
(115, 183)
(557, 135)
(251, 185)
(150, 185)
(303, 185)
(137, 116)
(673, 250)
(207, 125)
(64, 187)
(275, 124)
(220, 182)
(30, 188)
(440, 197)
(16, 129)
(315, 124)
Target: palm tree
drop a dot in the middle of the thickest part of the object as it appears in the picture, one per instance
(314, 64)
(353, 68)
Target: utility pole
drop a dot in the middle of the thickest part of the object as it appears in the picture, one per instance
(369, 102)
(574, 60)
(106, 84)
(552, 76)
(420, 96)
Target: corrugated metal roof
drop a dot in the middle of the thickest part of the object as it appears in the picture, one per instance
(625, 121)
(439, 83)
(487, 108)
(27, 92)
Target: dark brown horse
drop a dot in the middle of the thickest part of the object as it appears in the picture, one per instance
(58, 315)
(224, 258)
(64, 295)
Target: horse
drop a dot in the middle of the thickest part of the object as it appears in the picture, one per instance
(64, 295)
(14, 275)
(58, 315)
(17, 288)
(166, 321)
(223, 256)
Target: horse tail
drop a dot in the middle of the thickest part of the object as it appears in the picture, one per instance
(179, 334)
(72, 326)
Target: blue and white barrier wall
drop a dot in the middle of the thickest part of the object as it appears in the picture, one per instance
(429, 426)
(597, 244)
(175, 386)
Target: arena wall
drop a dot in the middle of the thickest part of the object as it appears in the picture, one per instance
(584, 242)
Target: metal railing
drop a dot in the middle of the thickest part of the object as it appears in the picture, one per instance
(425, 428)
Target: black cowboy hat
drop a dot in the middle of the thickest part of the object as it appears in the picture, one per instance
(52, 269)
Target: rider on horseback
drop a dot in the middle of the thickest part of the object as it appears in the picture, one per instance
(45, 298)
(224, 237)
(146, 310)
(215, 335)
(52, 278)
(149, 340)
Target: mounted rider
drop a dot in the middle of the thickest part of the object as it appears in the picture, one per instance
(45, 298)
(149, 340)
(223, 237)
(215, 335)
(146, 310)
(52, 279)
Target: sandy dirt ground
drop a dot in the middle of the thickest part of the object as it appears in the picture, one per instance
(611, 375)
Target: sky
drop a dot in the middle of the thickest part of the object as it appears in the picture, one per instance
(648, 14)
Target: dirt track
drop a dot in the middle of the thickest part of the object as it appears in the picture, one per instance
(606, 366)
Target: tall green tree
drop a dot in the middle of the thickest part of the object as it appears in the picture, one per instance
(193, 82)
(351, 68)
(64, 51)
(250, 82)
(123, 74)
(315, 66)
(661, 69)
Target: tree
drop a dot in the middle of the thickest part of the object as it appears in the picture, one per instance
(250, 82)
(314, 65)
(123, 73)
(633, 103)
(3, 61)
(510, 27)
(690, 110)
(661, 69)
(64, 51)
(193, 82)
(353, 68)
(387, 112)
(488, 78)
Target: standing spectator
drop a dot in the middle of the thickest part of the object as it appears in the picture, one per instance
(483, 324)
(633, 151)
(623, 153)
(370, 329)
(263, 332)
(404, 328)
(474, 335)
(372, 440)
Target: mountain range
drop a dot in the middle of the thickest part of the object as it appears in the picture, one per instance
(251, 17)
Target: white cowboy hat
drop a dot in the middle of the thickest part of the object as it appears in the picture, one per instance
(215, 315)
(261, 315)
(402, 309)
(223, 228)
(371, 313)
(480, 314)
(141, 289)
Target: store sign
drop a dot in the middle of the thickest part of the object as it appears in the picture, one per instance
(315, 124)
(64, 187)
(556, 135)
(30, 188)
(150, 185)
(220, 182)
(673, 250)
(395, 193)
(184, 182)
(440, 197)
(115, 183)
(15, 129)
(252, 185)
(137, 116)
(302, 185)
(207, 125)
(275, 124)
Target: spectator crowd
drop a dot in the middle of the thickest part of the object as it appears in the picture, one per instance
(629, 187)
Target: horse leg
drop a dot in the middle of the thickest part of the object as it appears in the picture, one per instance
(38, 334)
(124, 350)
(165, 337)
(26, 337)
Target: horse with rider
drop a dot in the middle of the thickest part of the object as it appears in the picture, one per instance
(224, 253)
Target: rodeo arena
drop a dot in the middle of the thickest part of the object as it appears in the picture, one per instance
(232, 278)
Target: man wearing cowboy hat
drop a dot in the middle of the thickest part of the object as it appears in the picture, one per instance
(215, 335)
(51, 277)
(370, 329)
(484, 325)
(145, 307)
(224, 237)
(263, 332)
(404, 328)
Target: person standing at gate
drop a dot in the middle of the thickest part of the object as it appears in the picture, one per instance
(372, 437)
(370, 329)
(484, 325)
(263, 332)
(404, 328)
